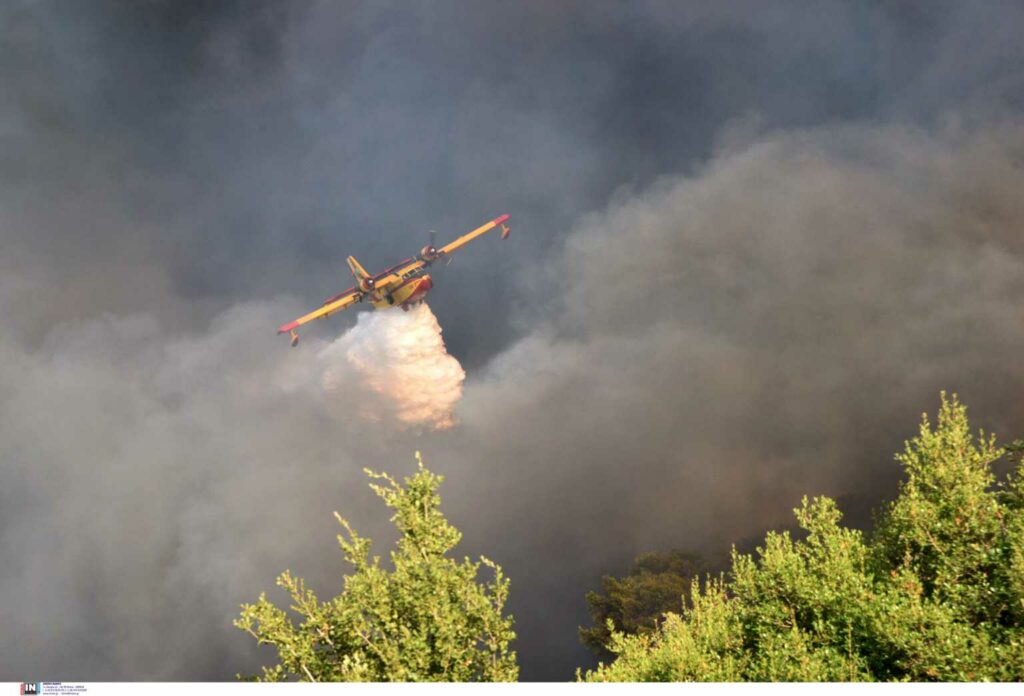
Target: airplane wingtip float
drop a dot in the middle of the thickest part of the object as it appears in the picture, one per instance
(404, 285)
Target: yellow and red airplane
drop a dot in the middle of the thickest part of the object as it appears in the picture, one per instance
(403, 285)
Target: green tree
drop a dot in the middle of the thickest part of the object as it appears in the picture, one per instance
(936, 593)
(635, 603)
(426, 620)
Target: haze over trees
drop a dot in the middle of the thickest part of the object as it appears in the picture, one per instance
(935, 593)
(428, 619)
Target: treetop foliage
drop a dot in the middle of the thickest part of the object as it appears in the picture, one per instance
(636, 602)
(429, 619)
(936, 593)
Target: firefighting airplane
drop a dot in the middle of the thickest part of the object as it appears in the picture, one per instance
(403, 285)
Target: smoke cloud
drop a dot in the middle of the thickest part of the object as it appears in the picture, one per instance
(752, 243)
(401, 358)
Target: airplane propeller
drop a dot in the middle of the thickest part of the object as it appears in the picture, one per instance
(429, 252)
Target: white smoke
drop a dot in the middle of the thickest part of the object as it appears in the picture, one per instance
(401, 358)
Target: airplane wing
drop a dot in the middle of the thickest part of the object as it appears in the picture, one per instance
(402, 271)
(470, 236)
(335, 304)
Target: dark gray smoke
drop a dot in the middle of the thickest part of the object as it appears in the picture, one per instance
(751, 244)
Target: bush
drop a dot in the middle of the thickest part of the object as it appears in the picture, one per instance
(428, 619)
(937, 593)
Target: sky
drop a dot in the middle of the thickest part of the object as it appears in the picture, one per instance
(752, 241)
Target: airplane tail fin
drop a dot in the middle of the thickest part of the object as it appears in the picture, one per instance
(357, 270)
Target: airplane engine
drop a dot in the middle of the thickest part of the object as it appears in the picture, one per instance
(429, 253)
(366, 284)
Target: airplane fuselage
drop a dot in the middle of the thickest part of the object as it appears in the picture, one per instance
(405, 294)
